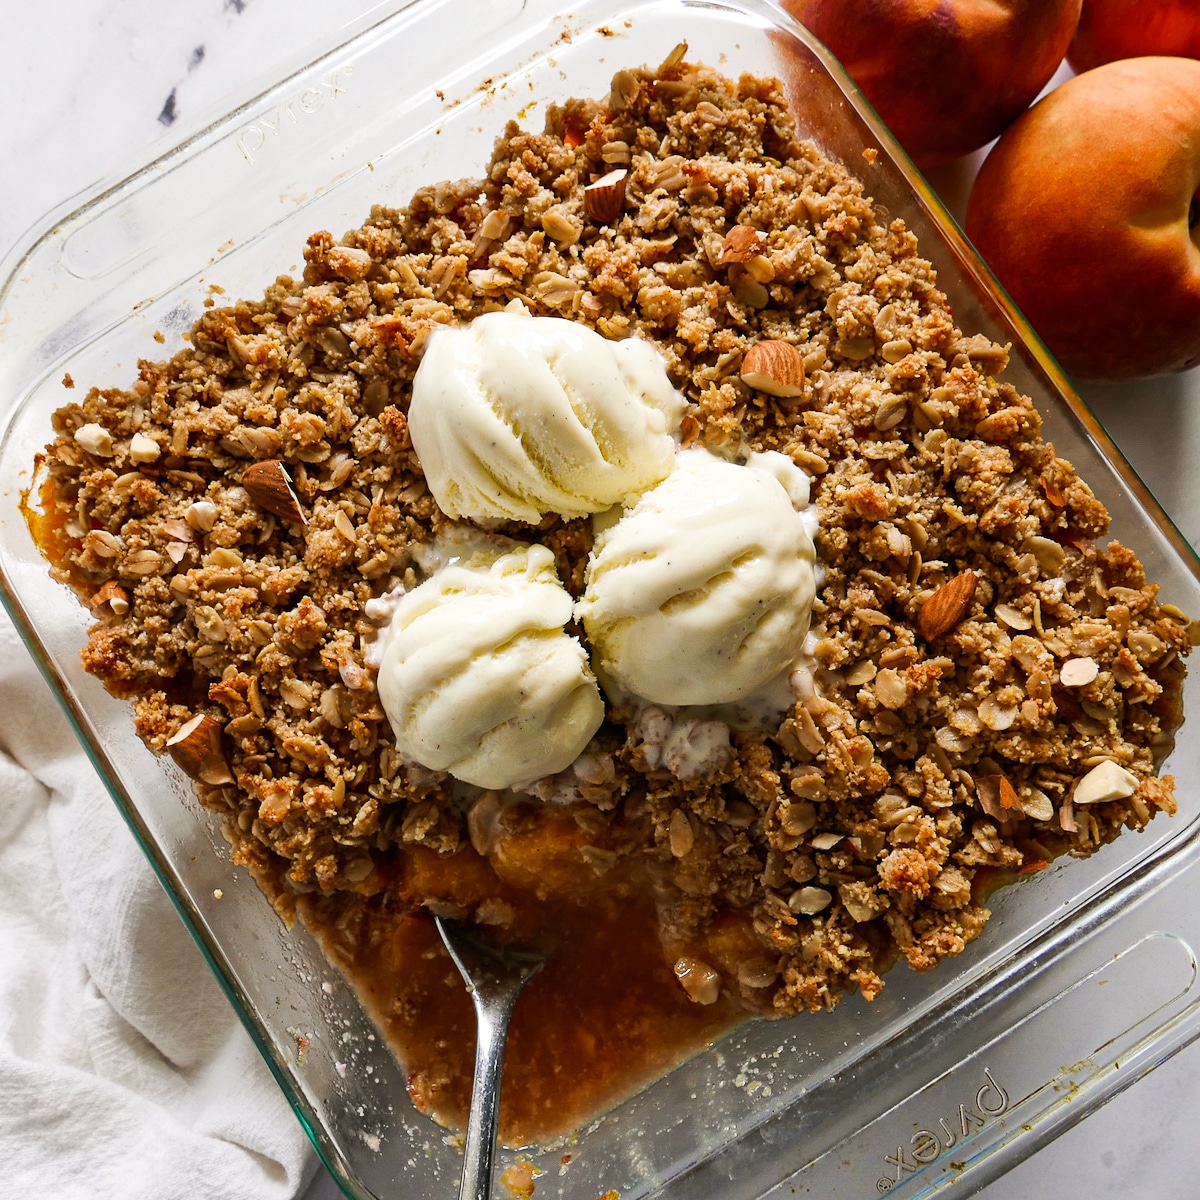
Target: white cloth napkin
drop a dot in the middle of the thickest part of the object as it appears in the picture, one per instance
(124, 1071)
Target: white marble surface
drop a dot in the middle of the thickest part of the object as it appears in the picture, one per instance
(89, 87)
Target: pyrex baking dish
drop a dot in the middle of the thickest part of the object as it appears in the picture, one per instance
(1084, 979)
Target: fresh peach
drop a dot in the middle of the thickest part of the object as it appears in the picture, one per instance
(1086, 211)
(946, 76)
(1112, 29)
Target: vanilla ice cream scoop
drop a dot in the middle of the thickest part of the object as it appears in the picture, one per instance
(515, 416)
(703, 589)
(479, 678)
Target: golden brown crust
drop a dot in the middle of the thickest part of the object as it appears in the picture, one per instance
(846, 837)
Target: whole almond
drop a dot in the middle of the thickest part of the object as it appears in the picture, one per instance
(270, 487)
(740, 245)
(604, 199)
(947, 606)
(1105, 781)
(774, 367)
(196, 749)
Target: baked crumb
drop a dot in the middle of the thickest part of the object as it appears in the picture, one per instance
(914, 770)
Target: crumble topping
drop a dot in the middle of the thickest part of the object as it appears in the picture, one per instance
(921, 756)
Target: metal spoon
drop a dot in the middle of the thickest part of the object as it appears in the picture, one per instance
(494, 978)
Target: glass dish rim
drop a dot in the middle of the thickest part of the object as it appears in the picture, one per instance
(78, 208)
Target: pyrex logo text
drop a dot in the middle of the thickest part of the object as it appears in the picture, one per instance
(927, 1145)
(254, 137)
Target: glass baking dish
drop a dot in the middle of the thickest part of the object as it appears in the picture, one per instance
(1086, 976)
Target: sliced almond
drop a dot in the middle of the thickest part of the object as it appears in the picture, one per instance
(996, 714)
(826, 841)
(1014, 618)
(862, 672)
(112, 594)
(1078, 672)
(1049, 554)
(345, 526)
(196, 749)
(215, 772)
(810, 900)
(757, 972)
(740, 245)
(797, 817)
(604, 199)
(1037, 806)
(947, 606)
(270, 487)
(746, 288)
(774, 367)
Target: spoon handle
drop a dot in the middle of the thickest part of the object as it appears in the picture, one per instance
(491, 1036)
